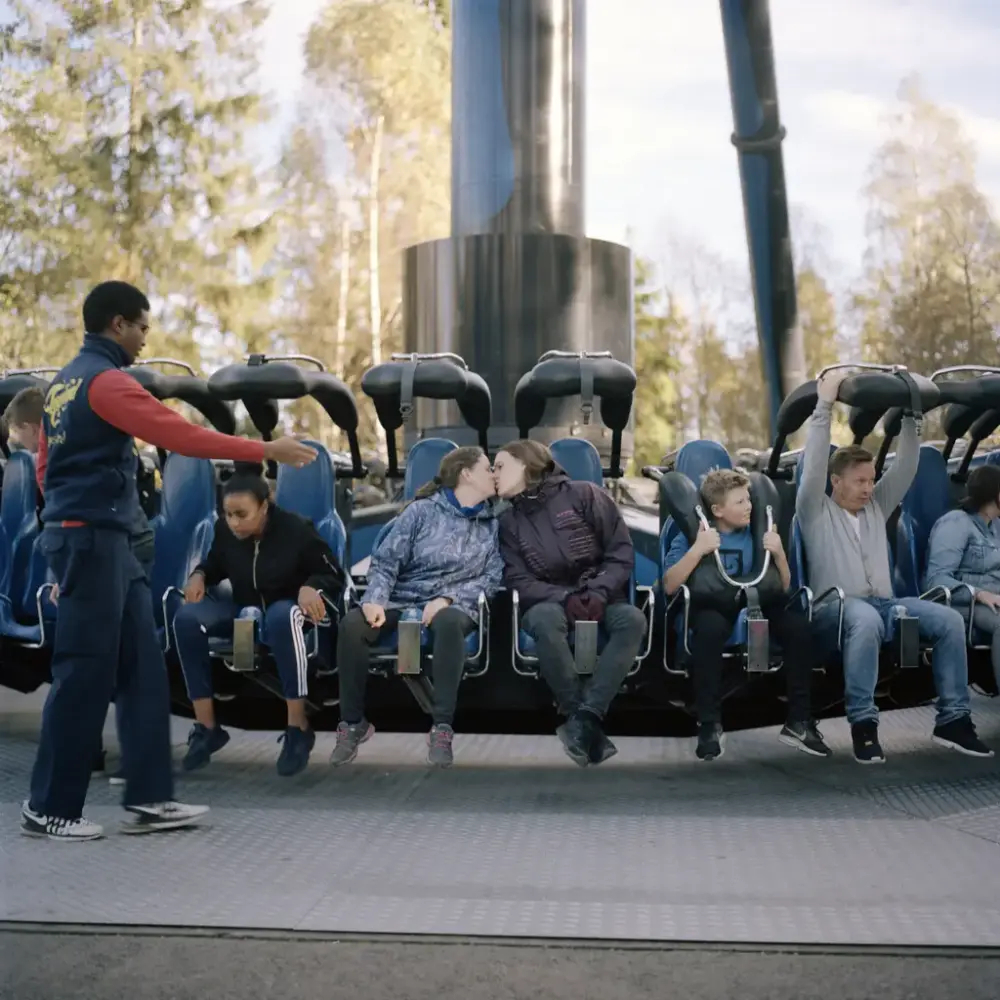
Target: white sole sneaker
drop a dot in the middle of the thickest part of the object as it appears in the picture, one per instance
(161, 817)
(63, 831)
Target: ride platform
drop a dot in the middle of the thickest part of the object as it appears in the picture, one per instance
(765, 846)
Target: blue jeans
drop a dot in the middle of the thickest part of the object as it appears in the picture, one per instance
(866, 624)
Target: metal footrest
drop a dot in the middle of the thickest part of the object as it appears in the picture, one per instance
(908, 641)
(758, 644)
(585, 647)
(408, 649)
(244, 646)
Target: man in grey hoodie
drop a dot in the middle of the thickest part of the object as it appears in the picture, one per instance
(847, 546)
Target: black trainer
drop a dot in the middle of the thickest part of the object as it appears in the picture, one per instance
(711, 741)
(576, 736)
(202, 743)
(601, 748)
(960, 735)
(297, 745)
(867, 749)
(805, 736)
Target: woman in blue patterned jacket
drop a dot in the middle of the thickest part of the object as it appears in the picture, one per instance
(964, 548)
(441, 552)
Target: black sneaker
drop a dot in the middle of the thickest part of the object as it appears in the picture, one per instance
(439, 745)
(805, 736)
(294, 756)
(960, 735)
(575, 735)
(867, 749)
(711, 741)
(202, 743)
(159, 816)
(349, 738)
(66, 831)
(601, 748)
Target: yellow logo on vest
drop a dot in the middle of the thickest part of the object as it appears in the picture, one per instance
(59, 396)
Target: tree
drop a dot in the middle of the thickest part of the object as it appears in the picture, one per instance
(125, 122)
(930, 295)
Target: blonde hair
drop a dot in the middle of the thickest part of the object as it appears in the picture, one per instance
(719, 483)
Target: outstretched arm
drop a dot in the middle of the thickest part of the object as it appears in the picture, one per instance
(119, 400)
(897, 479)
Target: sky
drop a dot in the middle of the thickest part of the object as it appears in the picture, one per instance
(660, 162)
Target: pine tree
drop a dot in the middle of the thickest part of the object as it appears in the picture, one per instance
(127, 121)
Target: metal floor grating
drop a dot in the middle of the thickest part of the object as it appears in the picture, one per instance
(765, 845)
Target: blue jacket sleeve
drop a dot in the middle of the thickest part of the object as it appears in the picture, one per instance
(391, 556)
(945, 552)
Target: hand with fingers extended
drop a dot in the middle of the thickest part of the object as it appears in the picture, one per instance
(312, 604)
(432, 608)
(289, 451)
(991, 601)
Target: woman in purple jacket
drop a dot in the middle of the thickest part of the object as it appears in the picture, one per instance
(567, 552)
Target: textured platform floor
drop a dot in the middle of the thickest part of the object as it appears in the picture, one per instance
(89, 967)
(766, 845)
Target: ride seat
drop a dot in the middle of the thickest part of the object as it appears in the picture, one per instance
(311, 493)
(183, 532)
(928, 498)
(579, 459)
(29, 570)
(422, 464)
(31, 636)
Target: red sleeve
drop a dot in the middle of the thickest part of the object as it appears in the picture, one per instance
(117, 398)
(41, 460)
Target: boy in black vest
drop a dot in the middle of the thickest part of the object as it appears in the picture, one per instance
(726, 494)
(105, 639)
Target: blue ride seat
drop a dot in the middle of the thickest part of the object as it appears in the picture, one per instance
(311, 493)
(422, 463)
(182, 532)
(696, 459)
(582, 462)
(579, 459)
(30, 577)
(30, 636)
(386, 648)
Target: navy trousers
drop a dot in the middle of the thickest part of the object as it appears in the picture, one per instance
(105, 646)
(195, 624)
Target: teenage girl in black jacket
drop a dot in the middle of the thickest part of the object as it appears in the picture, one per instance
(274, 560)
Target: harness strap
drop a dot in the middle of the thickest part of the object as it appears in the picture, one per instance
(406, 389)
(586, 389)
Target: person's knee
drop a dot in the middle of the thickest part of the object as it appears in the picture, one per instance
(863, 624)
(548, 617)
(628, 620)
(449, 620)
(188, 618)
(354, 625)
(282, 616)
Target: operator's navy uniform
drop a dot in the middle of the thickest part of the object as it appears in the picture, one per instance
(105, 639)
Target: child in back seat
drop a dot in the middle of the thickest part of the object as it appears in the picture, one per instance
(726, 494)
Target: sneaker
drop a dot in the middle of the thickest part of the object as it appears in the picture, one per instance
(960, 735)
(349, 738)
(805, 736)
(601, 748)
(439, 740)
(575, 735)
(202, 743)
(298, 744)
(118, 778)
(67, 831)
(711, 741)
(159, 816)
(867, 749)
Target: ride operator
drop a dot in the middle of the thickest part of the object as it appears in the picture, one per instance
(105, 639)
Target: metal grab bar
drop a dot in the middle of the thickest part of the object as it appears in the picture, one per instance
(582, 355)
(165, 361)
(866, 365)
(747, 584)
(438, 356)
(30, 371)
(981, 369)
(265, 358)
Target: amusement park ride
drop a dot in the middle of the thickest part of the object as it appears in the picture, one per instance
(519, 324)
